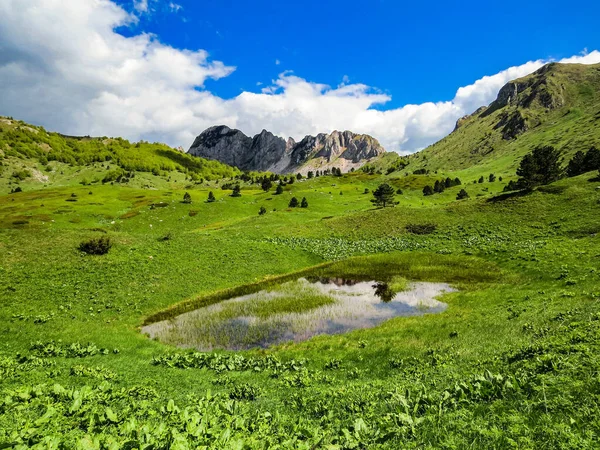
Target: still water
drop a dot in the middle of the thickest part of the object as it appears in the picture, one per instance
(297, 311)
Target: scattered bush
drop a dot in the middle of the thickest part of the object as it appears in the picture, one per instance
(304, 203)
(293, 203)
(462, 195)
(187, 198)
(21, 174)
(211, 197)
(96, 246)
(262, 211)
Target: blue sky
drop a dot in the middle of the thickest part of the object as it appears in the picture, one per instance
(165, 70)
(415, 51)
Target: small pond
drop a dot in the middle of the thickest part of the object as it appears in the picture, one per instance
(296, 311)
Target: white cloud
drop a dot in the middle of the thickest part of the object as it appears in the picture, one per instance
(140, 5)
(277, 62)
(63, 66)
(175, 7)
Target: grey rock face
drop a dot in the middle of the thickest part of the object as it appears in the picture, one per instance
(267, 152)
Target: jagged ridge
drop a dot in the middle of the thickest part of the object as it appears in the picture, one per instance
(267, 152)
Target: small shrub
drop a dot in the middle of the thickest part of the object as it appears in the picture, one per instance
(187, 198)
(293, 203)
(96, 246)
(262, 211)
(462, 195)
(211, 197)
(304, 203)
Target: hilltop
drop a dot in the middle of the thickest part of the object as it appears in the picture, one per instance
(557, 105)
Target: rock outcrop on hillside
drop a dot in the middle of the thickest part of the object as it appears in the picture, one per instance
(267, 152)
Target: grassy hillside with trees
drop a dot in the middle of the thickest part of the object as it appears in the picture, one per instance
(558, 105)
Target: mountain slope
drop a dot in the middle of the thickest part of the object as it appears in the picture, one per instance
(24, 145)
(267, 152)
(557, 105)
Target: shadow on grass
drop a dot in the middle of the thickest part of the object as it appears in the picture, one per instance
(509, 195)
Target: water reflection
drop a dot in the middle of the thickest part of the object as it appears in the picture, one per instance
(297, 311)
(384, 292)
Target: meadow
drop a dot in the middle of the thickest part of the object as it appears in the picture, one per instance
(511, 363)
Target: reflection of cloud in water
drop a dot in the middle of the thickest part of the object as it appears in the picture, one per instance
(357, 304)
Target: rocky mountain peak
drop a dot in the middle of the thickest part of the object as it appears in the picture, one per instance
(267, 152)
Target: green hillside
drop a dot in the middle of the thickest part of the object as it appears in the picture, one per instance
(37, 157)
(558, 105)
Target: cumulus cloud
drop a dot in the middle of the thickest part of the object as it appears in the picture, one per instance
(63, 65)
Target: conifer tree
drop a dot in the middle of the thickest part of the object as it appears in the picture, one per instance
(384, 195)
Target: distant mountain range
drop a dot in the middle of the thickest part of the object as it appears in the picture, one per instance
(267, 152)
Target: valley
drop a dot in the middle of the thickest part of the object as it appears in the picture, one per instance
(510, 361)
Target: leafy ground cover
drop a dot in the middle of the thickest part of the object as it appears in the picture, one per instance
(512, 363)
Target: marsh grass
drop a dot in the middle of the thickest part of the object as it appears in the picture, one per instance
(295, 311)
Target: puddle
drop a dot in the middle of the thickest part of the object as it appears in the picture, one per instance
(296, 311)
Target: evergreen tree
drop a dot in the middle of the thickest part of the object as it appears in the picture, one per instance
(427, 190)
(439, 187)
(304, 203)
(292, 179)
(448, 182)
(310, 174)
(582, 163)
(511, 186)
(236, 191)
(492, 178)
(592, 160)
(266, 184)
(462, 194)
(384, 195)
(299, 176)
(457, 181)
(187, 198)
(211, 197)
(293, 203)
(575, 166)
(262, 211)
(542, 166)
(481, 179)
(399, 191)
(279, 189)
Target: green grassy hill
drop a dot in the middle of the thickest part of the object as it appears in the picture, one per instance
(558, 105)
(36, 157)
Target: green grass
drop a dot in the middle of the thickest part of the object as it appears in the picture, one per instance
(512, 362)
